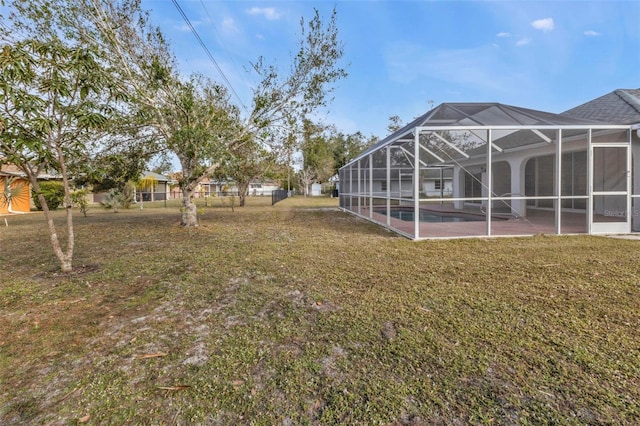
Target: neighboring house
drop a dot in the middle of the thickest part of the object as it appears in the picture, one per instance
(19, 199)
(220, 188)
(15, 190)
(263, 187)
(316, 189)
(574, 169)
(437, 183)
(332, 185)
(214, 188)
(157, 188)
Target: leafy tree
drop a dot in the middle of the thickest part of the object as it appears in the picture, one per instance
(196, 121)
(191, 118)
(325, 151)
(347, 147)
(177, 114)
(318, 160)
(284, 158)
(111, 169)
(79, 199)
(203, 122)
(280, 167)
(317, 155)
(162, 165)
(54, 96)
(395, 123)
(281, 102)
(245, 163)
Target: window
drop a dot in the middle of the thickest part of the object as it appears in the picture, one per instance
(383, 185)
(438, 184)
(472, 186)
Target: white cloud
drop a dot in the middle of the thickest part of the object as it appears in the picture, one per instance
(592, 33)
(185, 27)
(229, 26)
(545, 24)
(481, 68)
(523, 41)
(503, 34)
(269, 13)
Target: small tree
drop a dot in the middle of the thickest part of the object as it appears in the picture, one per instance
(53, 97)
(243, 164)
(307, 177)
(79, 200)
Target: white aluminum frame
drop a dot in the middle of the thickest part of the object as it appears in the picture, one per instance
(592, 227)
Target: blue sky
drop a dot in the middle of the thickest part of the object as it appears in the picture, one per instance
(405, 56)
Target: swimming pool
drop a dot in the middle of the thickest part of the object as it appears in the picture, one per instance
(429, 216)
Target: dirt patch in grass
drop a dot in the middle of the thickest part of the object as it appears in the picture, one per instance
(296, 315)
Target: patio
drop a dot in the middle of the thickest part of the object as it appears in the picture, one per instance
(535, 223)
(514, 165)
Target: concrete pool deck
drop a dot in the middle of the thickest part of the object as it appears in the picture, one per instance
(536, 222)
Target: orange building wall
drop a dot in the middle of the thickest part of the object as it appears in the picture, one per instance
(20, 202)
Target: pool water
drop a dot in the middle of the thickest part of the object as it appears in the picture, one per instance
(430, 216)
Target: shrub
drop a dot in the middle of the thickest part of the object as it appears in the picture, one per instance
(79, 199)
(53, 192)
(120, 199)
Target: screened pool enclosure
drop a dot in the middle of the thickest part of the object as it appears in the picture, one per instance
(487, 169)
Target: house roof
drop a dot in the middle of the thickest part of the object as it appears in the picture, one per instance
(464, 115)
(622, 106)
(13, 170)
(10, 170)
(158, 177)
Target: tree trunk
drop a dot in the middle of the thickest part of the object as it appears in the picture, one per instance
(242, 193)
(65, 258)
(189, 209)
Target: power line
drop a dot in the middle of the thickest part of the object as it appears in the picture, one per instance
(224, 46)
(211, 58)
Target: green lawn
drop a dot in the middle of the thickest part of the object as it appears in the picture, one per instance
(299, 314)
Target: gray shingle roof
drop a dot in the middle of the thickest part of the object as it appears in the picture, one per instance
(621, 106)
